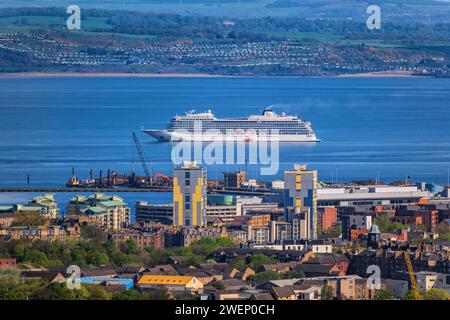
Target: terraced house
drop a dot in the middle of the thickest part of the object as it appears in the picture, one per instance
(45, 232)
(106, 211)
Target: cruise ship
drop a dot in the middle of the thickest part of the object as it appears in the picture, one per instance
(206, 127)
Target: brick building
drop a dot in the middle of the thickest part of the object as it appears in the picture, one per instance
(327, 217)
(143, 238)
(6, 263)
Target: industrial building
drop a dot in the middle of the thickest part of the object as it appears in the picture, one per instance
(369, 195)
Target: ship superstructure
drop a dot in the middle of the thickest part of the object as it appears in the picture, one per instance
(206, 127)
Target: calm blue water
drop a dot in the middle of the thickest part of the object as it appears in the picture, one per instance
(387, 127)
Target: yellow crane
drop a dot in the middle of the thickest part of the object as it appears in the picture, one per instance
(414, 288)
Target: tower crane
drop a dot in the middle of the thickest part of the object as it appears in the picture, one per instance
(414, 288)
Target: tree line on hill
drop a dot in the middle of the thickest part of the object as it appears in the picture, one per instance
(212, 27)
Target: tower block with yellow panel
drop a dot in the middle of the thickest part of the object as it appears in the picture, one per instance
(301, 195)
(189, 195)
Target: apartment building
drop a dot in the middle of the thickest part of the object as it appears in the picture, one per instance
(189, 195)
(301, 191)
(106, 211)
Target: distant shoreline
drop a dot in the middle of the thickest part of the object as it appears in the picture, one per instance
(107, 75)
(396, 74)
(383, 74)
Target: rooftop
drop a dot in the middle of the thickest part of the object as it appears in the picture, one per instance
(165, 279)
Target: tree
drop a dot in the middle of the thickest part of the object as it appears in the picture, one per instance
(292, 274)
(110, 246)
(36, 256)
(130, 247)
(436, 294)
(98, 293)
(206, 246)
(119, 258)
(386, 225)
(334, 231)
(130, 294)
(194, 260)
(319, 229)
(93, 232)
(60, 291)
(408, 296)
(326, 292)
(239, 263)
(11, 287)
(384, 294)
(160, 294)
(265, 276)
(28, 219)
(218, 285)
(157, 256)
(258, 259)
(18, 249)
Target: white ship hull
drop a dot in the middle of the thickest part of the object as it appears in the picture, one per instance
(166, 136)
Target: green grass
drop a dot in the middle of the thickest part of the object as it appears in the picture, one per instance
(18, 29)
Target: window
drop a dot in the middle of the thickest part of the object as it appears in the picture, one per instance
(187, 206)
(187, 198)
(187, 182)
(187, 175)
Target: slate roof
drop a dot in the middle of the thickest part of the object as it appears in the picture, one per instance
(262, 296)
(327, 258)
(283, 292)
(234, 283)
(127, 282)
(98, 272)
(314, 269)
(48, 275)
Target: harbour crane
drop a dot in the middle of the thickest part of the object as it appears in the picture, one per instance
(142, 157)
(412, 278)
(157, 179)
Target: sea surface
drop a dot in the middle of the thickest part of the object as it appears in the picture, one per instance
(384, 128)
